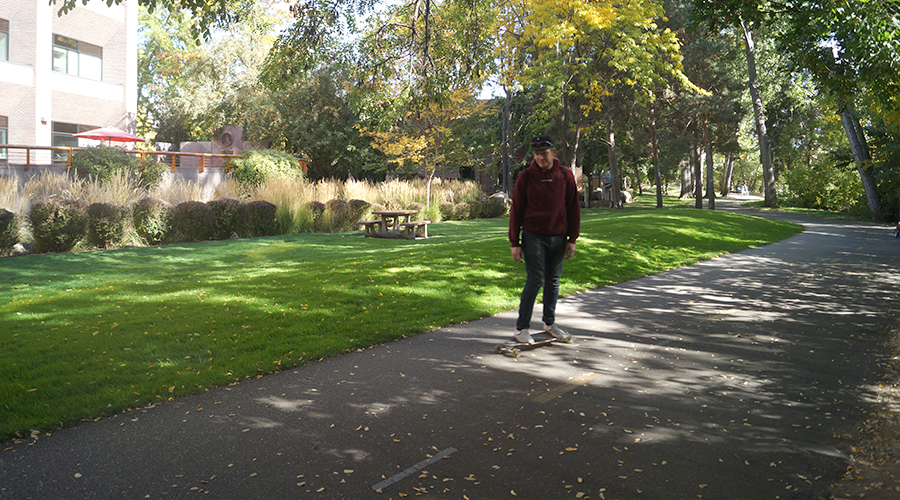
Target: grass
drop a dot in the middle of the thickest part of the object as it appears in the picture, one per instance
(855, 216)
(88, 334)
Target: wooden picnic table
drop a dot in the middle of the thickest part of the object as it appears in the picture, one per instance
(391, 218)
(391, 224)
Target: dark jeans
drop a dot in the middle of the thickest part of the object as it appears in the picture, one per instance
(543, 256)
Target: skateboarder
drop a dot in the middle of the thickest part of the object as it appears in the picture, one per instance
(544, 223)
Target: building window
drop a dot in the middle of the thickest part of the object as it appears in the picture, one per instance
(4, 135)
(4, 40)
(77, 58)
(62, 136)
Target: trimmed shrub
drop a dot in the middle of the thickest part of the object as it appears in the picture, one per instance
(461, 211)
(194, 221)
(101, 162)
(358, 209)
(151, 172)
(57, 225)
(107, 224)
(493, 207)
(474, 209)
(447, 211)
(9, 230)
(258, 166)
(153, 219)
(229, 215)
(260, 219)
(317, 209)
(338, 215)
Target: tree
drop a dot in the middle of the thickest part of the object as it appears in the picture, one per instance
(743, 15)
(189, 89)
(203, 15)
(314, 118)
(417, 69)
(582, 57)
(765, 153)
(849, 46)
(851, 49)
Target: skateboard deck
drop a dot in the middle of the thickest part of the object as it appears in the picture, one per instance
(513, 347)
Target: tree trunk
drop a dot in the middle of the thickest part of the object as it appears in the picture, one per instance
(616, 198)
(687, 185)
(505, 147)
(728, 176)
(765, 153)
(576, 156)
(697, 159)
(428, 185)
(654, 153)
(863, 158)
(710, 180)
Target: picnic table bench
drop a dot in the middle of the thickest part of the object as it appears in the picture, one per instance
(395, 224)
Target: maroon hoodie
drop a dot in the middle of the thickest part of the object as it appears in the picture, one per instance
(545, 202)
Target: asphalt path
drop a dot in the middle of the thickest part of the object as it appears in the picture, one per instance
(743, 377)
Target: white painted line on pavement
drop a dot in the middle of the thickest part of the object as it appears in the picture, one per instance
(412, 470)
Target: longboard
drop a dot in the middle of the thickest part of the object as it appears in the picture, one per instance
(513, 347)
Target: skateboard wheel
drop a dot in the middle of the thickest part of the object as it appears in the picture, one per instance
(514, 353)
(569, 339)
(498, 349)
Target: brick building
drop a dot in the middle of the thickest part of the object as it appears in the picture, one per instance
(60, 75)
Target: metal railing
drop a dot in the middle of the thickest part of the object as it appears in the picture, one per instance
(26, 157)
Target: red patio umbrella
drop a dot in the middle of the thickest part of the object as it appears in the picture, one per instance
(108, 134)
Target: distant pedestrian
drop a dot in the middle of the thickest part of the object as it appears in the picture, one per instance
(544, 223)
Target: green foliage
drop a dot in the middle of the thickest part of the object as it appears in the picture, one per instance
(316, 214)
(261, 219)
(194, 221)
(258, 166)
(153, 219)
(475, 207)
(203, 16)
(151, 172)
(493, 207)
(447, 210)
(189, 89)
(108, 224)
(315, 120)
(101, 162)
(462, 211)
(338, 215)
(823, 186)
(57, 225)
(358, 210)
(228, 217)
(9, 230)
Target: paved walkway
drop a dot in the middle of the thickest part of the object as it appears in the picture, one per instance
(735, 378)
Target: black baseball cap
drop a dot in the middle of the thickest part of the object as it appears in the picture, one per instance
(542, 142)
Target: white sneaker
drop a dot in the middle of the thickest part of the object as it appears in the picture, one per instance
(556, 331)
(523, 336)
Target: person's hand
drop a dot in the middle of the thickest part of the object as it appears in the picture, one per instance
(517, 254)
(570, 250)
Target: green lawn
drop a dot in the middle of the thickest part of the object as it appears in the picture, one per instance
(88, 334)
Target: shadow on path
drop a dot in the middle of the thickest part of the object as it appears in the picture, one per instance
(734, 378)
